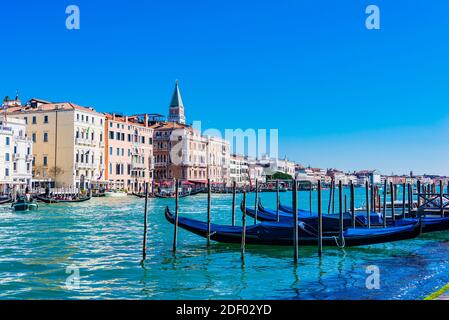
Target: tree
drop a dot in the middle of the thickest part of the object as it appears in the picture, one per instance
(280, 176)
(54, 172)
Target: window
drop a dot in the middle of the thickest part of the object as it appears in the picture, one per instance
(6, 172)
(15, 149)
(78, 117)
(101, 137)
(8, 141)
(45, 136)
(34, 120)
(7, 157)
(45, 119)
(45, 161)
(110, 151)
(28, 167)
(111, 135)
(33, 137)
(118, 136)
(28, 151)
(14, 166)
(118, 151)
(26, 120)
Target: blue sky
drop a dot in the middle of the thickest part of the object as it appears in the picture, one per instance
(340, 95)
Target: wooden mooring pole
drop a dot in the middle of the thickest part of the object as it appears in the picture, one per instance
(392, 193)
(418, 192)
(384, 205)
(145, 224)
(320, 222)
(310, 198)
(333, 196)
(330, 196)
(441, 198)
(208, 211)
(295, 220)
(277, 200)
(368, 218)
(175, 235)
(233, 202)
(410, 198)
(352, 205)
(243, 242)
(403, 200)
(340, 208)
(256, 201)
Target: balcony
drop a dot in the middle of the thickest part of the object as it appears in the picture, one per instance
(138, 166)
(86, 142)
(85, 166)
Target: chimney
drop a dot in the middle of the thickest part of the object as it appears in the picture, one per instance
(113, 116)
(146, 120)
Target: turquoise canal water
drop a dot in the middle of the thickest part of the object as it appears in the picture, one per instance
(102, 238)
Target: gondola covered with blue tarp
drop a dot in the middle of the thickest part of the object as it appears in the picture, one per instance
(272, 233)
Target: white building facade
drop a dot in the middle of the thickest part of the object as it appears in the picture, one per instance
(15, 156)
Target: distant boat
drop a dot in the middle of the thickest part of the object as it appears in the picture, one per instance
(171, 195)
(22, 204)
(53, 200)
(5, 200)
(115, 194)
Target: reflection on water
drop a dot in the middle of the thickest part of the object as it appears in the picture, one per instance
(103, 238)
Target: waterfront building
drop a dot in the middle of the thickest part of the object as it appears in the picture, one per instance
(239, 169)
(15, 156)
(68, 142)
(179, 152)
(273, 165)
(372, 176)
(256, 171)
(218, 159)
(129, 152)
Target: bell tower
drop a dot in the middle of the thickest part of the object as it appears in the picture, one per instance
(176, 109)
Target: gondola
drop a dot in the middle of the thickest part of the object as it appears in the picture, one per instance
(50, 200)
(22, 204)
(270, 233)
(330, 222)
(5, 200)
(430, 224)
(140, 195)
(170, 196)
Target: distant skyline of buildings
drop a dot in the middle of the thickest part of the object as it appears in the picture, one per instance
(78, 147)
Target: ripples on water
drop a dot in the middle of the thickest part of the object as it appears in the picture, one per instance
(103, 238)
